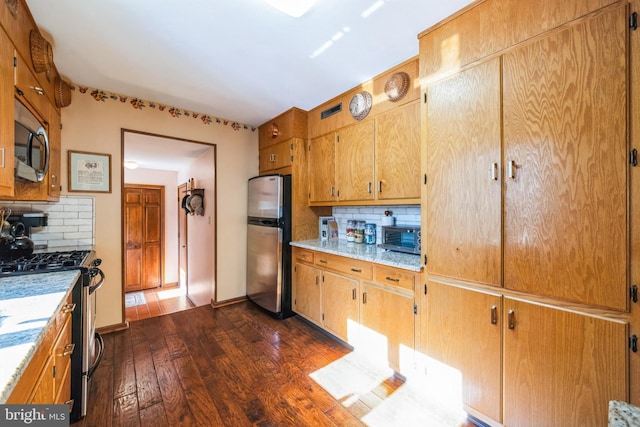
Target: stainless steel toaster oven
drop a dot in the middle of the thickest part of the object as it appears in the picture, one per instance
(401, 238)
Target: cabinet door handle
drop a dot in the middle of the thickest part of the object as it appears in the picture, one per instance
(511, 319)
(494, 315)
(332, 191)
(322, 261)
(493, 172)
(68, 350)
(356, 270)
(393, 279)
(354, 293)
(68, 308)
(369, 187)
(2, 161)
(317, 280)
(379, 186)
(38, 90)
(511, 169)
(70, 403)
(364, 297)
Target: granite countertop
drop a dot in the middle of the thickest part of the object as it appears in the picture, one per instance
(370, 253)
(28, 305)
(623, 414)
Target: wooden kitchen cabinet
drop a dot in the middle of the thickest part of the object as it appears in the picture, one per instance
(463, 191)
(354, 162)
(47, 377)
(463, 331)
(340, 306)
(561, 368)
(306, 292)
(276, 157)
(387, 325)
(397, 153)
(565, 143)
(367, 305)
(6, 116)
(322, 169)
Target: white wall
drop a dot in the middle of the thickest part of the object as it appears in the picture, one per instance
(168, 179)
(95, 126)
(201, 232)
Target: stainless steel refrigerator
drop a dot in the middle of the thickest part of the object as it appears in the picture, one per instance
(268, 249)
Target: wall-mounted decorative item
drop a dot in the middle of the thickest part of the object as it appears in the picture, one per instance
(89, 172)
(41, 52)
(360, 105)
(397, 86)
(193, 203)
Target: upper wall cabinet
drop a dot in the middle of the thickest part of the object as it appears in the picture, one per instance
(275, 140)
(565, 148)
(6, 116)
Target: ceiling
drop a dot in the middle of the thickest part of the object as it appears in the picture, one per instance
(240, 60)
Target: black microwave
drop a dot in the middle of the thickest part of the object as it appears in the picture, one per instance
(31, 147)
(401, 238)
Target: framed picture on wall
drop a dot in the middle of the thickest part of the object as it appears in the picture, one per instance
(89, 172)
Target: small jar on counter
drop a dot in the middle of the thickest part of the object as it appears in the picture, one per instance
(358, 234)
(370, 234)
(351, 228)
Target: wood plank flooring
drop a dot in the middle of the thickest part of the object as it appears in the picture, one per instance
(236, 366)
(159, 301)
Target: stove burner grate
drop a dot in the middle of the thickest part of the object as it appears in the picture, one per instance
(43, 262)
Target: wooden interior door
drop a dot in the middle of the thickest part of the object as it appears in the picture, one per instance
(565, 133)
(183, 237)
(463, 190)
(143, 225)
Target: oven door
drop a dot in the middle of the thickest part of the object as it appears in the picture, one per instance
(93, 345)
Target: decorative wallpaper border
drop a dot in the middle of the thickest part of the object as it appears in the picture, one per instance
(139, 104)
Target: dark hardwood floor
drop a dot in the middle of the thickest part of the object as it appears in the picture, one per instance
(236, 366)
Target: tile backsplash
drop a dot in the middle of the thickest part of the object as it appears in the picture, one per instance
(71, 221)
(404, 215)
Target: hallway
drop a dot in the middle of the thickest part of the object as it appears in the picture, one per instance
(155, 302)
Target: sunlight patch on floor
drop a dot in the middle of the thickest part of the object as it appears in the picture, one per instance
(170, 293)
(430, 396)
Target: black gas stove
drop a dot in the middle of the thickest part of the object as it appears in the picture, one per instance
(45, 262)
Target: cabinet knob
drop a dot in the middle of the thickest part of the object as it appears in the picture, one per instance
(511, 319)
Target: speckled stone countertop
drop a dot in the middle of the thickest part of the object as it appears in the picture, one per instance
(371, 253)
(623, 414)
(28, 304)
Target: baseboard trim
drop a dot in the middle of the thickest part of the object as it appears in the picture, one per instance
(113, 328)
(171, 285)
(218, 304)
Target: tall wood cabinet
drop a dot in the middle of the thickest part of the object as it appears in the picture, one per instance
(525, 207)
(6, 116)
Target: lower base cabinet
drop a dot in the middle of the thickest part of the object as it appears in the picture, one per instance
(561, 368)
(463, 331)
(368, 306)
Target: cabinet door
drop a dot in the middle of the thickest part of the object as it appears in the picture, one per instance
(354, 162)
(565, 139)
(463, 331)
(561, 368)
(275, 157)
(6, 116)
(340, 305)
(387, 326)
(306, 292)
(463, 195)
(398, 153)
(322, 169)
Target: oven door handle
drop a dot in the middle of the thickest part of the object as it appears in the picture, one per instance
(100, 342)
(94, 272)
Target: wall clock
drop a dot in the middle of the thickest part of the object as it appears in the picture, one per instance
(360, 105)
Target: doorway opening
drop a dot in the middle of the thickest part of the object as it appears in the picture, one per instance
(169, 253)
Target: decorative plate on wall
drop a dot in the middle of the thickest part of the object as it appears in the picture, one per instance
(397, 86)
(360, 105)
